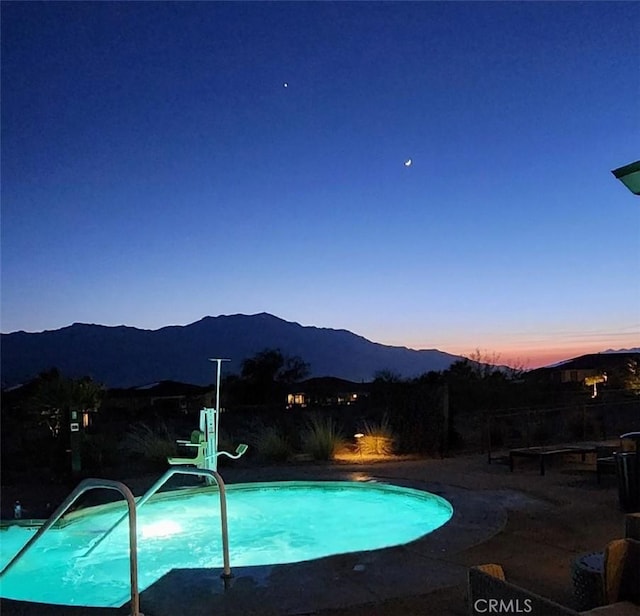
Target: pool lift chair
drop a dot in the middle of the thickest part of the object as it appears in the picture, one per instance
(199, 443)
(205, 440)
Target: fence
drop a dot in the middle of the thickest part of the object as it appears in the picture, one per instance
(516, 428)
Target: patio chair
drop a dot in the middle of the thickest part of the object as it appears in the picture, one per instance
(629, 441)
(488, 583)
(605, 454)
(622, 571)
(198, 442)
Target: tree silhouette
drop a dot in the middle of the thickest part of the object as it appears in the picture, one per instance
(266, 375)
(55, 396)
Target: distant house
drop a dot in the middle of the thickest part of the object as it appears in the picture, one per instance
(163, 396)
(587, 366)
(326, 391)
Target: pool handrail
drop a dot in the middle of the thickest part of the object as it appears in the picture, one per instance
(184, 470)
(84, 486)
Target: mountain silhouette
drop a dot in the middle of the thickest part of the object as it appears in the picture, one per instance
(124, 356)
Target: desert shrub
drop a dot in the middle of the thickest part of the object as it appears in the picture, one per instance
(378, 438)
(271, 444)
(416, 412)
(153, 443)
(322, 438)
(99, 450)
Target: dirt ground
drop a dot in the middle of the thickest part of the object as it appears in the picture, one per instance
(551, 520)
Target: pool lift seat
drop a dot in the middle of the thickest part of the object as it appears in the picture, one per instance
(205, 440)
(197, 441)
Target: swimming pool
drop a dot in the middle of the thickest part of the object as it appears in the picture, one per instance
(269, 523)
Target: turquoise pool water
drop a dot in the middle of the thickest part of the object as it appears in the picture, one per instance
(269, 523)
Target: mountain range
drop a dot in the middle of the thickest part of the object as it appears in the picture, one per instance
(125, 356)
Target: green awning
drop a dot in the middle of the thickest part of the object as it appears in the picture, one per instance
(629, 175)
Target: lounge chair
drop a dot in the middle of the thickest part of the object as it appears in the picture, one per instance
(542, 453)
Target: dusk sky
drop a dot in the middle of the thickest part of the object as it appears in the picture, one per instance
(166, 161)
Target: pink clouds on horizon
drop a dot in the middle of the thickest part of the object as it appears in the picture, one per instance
(540, 357)
(527, 356)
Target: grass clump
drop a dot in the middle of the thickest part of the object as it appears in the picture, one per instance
(322, 438)
(378, 438)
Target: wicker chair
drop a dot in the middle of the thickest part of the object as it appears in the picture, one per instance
(488, 583)
(622, 571)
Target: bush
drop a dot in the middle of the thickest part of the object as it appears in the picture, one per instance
(99, 450)
(418, 418)
(154, 444)
(271, 444)
(322, 438)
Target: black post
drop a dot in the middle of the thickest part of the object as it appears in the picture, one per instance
(75, 442)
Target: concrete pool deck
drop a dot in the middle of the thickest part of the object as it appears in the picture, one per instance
(533, 525)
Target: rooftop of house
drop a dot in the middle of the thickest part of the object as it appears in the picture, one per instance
(594, 361)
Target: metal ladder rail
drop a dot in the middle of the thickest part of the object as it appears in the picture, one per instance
(185, 470)
(82, 487)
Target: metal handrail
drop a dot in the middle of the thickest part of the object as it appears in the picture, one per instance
(185, 470)
(84, 486)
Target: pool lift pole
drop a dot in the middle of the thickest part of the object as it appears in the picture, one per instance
(209, 426)
(212, 422)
